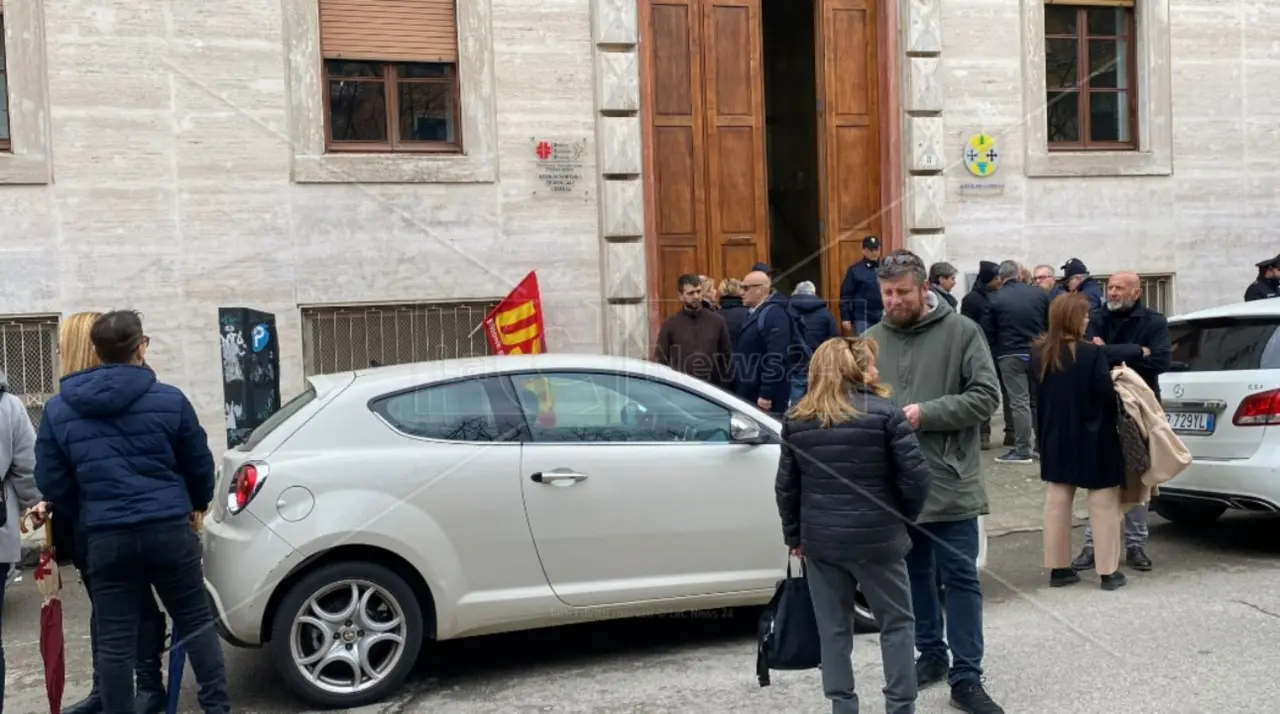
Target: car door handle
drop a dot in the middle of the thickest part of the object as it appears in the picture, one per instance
(557, 477)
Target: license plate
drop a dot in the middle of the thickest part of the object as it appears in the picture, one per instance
(1193, 422)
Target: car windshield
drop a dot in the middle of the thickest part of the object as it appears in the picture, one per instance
(1225, 344)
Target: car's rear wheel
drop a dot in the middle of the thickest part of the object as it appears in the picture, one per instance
(347, 635)
(1188, 513)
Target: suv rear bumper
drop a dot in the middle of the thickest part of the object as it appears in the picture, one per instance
(1251, 484)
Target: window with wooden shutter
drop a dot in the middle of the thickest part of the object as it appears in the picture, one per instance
(1091, 75)
(391, 78)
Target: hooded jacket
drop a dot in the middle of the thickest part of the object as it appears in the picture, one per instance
(17, 466)
(819, 324)
(121, 449)
(942, 363)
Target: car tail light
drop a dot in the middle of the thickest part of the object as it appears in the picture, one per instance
(1261, 409)
(245, 485)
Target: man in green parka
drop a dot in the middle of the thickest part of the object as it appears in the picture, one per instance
(941, 372)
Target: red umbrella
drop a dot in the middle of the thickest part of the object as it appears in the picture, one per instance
(49, 581)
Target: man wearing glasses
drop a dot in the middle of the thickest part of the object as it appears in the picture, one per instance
(761, 363)
(1046, 280)
(939, 366)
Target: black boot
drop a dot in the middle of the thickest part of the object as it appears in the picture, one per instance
(151, 697)
(89, 705)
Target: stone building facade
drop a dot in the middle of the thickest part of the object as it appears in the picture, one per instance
(176, 157)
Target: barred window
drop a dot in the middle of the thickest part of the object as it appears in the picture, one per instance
(29, 358)
(339, 339)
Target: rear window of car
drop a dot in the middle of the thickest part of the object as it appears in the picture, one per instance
(282, 415)
(1225, 345)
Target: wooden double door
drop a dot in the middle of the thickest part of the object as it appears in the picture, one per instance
(706, 134)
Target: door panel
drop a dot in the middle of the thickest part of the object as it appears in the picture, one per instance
(679, 195)
(738, 214)
(849, 133)
(633, 492)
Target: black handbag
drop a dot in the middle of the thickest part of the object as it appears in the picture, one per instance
(788, 631)
(1133, 447)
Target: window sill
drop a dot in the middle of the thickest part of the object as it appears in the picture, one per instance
(393, 168)
(1057, 164)
(24, 169)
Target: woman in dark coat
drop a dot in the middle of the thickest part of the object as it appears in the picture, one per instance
(1078, 440)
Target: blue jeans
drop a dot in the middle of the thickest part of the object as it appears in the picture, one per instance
(953, 548)
(124, 565)
(799, 385)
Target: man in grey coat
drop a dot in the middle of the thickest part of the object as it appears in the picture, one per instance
(940, 369)
(18, 468)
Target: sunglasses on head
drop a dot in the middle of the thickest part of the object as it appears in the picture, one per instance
(900, 259)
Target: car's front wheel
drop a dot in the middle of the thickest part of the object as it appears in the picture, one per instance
(347, 635)
(1188, 513)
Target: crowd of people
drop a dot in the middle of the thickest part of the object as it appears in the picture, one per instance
(121, 469)
(885, 416)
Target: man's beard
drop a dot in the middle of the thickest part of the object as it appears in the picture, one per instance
(1120, 306)
(912, 316)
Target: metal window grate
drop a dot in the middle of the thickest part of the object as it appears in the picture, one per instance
(339, 339)
(29, 358)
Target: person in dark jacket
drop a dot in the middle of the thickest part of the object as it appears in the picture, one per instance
(942, 278)
(762, 362)
(1013, 318)
(732, 310)
(696, 340)
(1268, 283)
(76, 354)
(860, 305)
(1131, 333)
(1079, 442)
(851, 480)
(819, 326)
(1078, 280)
(128, 455)
(972, 306)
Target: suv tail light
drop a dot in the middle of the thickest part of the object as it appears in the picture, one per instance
(245, 485)
(1261, 409)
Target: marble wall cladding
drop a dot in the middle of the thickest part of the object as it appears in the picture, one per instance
(616, 36)
(923, 126)
(175, 190)
(1204, 219)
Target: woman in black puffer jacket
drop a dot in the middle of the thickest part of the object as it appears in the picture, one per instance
(851, 480)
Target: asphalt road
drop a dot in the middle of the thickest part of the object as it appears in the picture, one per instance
(1196, 635)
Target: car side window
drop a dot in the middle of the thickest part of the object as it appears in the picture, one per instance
(599, 407)
(457, 411)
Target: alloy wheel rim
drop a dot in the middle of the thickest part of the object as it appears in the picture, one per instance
(348, 636)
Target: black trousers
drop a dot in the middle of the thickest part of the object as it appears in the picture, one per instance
(124, 565)
(151, 641)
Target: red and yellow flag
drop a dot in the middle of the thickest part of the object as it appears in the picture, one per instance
(514, 326)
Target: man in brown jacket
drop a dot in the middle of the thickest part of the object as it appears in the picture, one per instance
(696, 340)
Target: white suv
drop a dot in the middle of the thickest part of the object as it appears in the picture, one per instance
(1222, 397)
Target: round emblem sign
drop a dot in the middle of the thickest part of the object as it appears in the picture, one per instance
(981, 156)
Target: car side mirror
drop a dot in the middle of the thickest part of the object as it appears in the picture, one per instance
(745, 430)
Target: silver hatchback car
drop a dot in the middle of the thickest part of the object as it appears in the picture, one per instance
(386, 507)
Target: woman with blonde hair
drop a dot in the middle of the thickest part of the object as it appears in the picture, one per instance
(1077, 431)
(76, 354)
(709, 296)
(851, 481)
